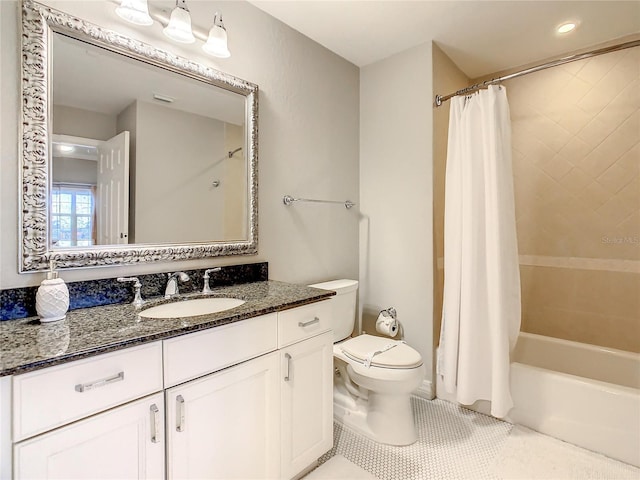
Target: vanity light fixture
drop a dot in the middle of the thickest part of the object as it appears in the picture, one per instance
(179, 28)
(216, 43)
(135, 11)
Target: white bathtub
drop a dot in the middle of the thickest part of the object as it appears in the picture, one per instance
(583, 394)
(579, 393)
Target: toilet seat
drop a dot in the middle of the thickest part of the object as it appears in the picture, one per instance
(380, 352)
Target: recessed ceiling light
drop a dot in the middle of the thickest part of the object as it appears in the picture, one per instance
(566, 27)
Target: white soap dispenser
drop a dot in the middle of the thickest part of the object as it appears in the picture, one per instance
(52, 298)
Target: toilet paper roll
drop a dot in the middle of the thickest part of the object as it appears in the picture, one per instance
(386, 325)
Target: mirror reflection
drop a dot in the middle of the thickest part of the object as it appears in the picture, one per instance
(142, 155)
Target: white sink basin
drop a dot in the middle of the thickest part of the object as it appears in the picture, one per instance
(191, 308)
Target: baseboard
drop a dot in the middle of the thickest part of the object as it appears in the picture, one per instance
(306, 471)
(425, 390)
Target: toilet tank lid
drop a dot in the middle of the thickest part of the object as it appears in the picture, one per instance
(339, 286)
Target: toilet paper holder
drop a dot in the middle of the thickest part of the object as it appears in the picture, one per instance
(387, 323)
(389, 312)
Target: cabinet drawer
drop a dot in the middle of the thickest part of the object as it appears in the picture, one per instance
(197, 354)
(58, 395)
(303, 322)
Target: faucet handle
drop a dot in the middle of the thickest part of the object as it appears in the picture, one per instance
(206, 288)
(172, 283)
(211, 270)
(129, 279)
(137, 299)
(181, 275)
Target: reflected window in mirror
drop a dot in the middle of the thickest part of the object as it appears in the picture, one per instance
(72, 215)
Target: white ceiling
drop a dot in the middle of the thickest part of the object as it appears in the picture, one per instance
(480, 36)
(91, 78)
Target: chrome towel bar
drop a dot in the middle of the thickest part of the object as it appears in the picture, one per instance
(288, 200)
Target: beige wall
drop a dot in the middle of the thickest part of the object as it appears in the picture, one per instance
(576, 159)
(591, 306)
(447, 78)
(395, 195)
(234, 172)
(74, 170)
(308, 127)
(178, 156)
(83, 123)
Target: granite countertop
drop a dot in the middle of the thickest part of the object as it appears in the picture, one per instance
(27, 345)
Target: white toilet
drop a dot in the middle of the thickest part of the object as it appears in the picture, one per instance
(373, 376)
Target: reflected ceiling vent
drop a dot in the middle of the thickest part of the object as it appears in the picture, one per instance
(163, 98)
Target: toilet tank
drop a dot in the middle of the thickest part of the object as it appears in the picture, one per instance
(343, 306)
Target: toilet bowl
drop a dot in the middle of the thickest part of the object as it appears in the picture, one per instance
(373, 376)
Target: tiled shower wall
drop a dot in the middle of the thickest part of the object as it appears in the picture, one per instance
(576, 161)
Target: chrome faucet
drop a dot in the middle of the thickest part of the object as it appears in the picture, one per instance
(172, 283)
(137, 300)
(206, 288)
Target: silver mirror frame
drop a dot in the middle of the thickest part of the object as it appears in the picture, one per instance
(39, 22)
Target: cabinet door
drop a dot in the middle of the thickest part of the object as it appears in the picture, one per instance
(226, 425)
(307, 402)
(125, 442)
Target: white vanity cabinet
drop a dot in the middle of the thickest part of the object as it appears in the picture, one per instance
(250, 399)
(306, 387)
(269, 417)
(226, 425)
(110, 437)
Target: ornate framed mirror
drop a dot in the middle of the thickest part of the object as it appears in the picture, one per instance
(130, 153)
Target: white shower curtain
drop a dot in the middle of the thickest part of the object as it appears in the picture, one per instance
(481, 305)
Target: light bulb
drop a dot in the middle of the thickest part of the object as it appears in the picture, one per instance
(216, 43)
(179, 28)
(135, 11)
(66, 148)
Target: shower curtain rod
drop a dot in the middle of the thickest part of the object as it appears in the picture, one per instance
(561, 61)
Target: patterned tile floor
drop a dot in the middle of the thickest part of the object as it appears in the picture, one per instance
(456, 443)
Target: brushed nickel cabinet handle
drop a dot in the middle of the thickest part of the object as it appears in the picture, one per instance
(179, 413)
(85, 387)
(153, 412)
(288, 359)
(310, 322)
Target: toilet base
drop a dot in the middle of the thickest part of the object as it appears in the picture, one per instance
(386, 419)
